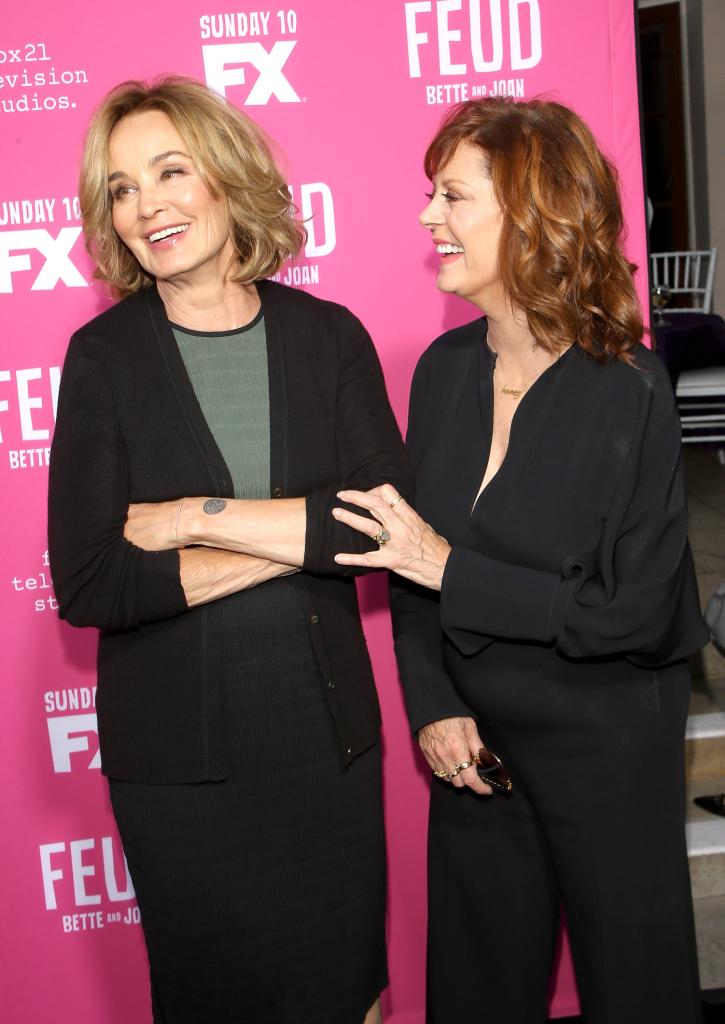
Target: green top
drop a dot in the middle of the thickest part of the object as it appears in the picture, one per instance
(228, 371)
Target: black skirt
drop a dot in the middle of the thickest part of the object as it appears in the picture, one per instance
(262, 897)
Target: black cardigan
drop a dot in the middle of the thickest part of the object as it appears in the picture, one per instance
(130, 429)
(576, 551)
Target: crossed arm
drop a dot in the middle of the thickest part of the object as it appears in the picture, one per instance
(242, 544)
(207, 575)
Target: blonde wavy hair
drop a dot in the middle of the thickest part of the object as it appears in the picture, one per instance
(234, 158)
(560, 255)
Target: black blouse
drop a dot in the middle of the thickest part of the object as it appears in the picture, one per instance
(577, 545)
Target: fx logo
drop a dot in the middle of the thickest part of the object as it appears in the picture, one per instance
(58, 266)
(69, 735)
(224, 66)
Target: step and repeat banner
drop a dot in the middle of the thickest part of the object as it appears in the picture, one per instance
(352, 92)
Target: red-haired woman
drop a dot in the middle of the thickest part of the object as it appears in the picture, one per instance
(554, 619)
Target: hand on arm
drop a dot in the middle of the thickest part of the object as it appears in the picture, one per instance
(449, 742)
(414, 550)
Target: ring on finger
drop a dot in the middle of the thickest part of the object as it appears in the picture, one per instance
(458, 768)
(395, 501)
(440, 774)
(381, 537)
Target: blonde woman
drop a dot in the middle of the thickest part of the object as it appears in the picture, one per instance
(205, 424)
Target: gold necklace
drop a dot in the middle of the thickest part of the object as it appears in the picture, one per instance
(515, 393)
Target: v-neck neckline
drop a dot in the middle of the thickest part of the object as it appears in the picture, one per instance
(486, 400)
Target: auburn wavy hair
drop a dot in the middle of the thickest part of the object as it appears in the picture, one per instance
(234, 158)
(560, 256)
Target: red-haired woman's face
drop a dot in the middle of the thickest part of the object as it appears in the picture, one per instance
(465, 221)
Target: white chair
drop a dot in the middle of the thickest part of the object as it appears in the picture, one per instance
(700, 392)
(686, 273)
(701, 403)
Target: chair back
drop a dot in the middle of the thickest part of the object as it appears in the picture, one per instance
(686, 274)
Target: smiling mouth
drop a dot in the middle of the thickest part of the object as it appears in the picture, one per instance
(448, 249)
(158, 236)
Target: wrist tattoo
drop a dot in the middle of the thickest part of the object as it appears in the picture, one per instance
(214, 505)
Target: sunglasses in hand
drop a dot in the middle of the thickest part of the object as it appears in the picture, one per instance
(491, 770)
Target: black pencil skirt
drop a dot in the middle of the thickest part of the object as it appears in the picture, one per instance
(262, 897)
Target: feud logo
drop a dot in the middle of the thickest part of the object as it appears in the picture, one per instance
(94, 868)
(474, 42)
(229, 64)
(56, 265)
(30, 397)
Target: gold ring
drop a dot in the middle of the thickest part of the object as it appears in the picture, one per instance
(395, 502)
(440, 774)
(458, 768)
(381, 537)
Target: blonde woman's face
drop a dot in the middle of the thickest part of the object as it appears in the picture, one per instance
(465, 222)
(161, 208)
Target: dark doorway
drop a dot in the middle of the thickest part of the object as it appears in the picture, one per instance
(664, 131)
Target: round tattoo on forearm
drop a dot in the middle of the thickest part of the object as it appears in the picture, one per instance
(214, 505)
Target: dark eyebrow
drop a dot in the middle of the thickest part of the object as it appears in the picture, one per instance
(152, 162)
(162, 156)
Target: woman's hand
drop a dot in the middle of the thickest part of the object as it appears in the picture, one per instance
(153, 526)
(450, 742)
(413, 548)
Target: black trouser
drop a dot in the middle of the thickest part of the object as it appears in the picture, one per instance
(596, 822)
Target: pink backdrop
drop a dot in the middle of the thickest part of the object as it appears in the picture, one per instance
(352, 93)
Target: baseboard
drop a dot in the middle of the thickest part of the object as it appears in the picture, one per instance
(705, 726)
